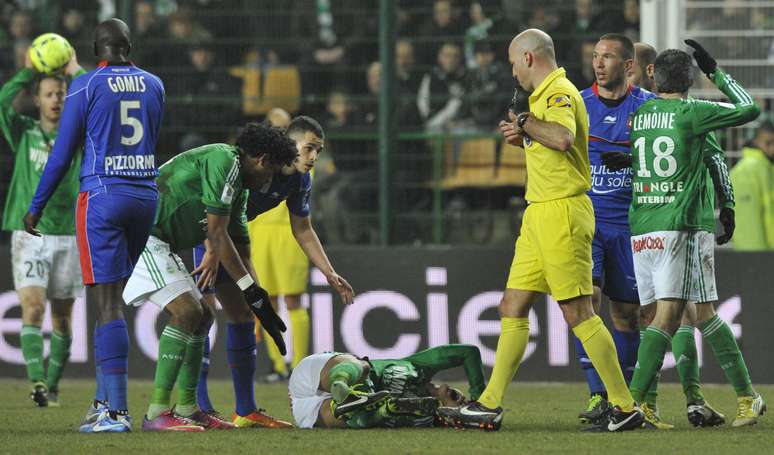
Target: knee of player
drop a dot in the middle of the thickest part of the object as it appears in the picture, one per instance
(32, 312)
(61, 323)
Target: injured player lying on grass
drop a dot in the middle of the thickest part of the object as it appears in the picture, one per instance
(339, 390)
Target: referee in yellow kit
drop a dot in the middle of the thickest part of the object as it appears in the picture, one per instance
(553, 251)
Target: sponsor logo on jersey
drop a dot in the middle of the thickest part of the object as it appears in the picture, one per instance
(611, 119)
(117, 163)
(647, 243)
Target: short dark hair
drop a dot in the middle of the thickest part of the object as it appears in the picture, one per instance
(40, 77)
(261, 139)
(645, 54)
(673, 71)
(626, 43)
(304, 123)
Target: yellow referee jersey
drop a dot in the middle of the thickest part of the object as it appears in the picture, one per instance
(554, 174)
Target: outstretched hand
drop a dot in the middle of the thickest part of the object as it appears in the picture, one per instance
(706, 62)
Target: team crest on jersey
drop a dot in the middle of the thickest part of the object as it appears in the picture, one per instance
(559, 100)
(629, 121)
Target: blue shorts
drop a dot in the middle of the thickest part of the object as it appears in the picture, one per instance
(198, 254)
(112, 225)
(613, 267)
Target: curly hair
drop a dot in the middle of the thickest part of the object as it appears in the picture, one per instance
(261, 139)
(673, 71)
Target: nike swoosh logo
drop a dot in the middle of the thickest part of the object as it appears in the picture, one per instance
(615, 426)
(596, 191)
(467, 412)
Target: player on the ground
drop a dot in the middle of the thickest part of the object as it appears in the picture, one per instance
(339, 390)
(284, 271)
(294, 185)
(700, 413)
(611, 102)
(671, 221)
(44, 267)
(553, 251)
(114, 113)
(211, 181)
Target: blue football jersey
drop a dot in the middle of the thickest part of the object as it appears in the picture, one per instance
(295, 188)
(609, 129)
(115, 113)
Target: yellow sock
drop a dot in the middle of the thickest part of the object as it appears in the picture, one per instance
(600, 348)
(299, 330)
(514, 336)
(273, 351)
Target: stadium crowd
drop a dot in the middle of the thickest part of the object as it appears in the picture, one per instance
(229, 61)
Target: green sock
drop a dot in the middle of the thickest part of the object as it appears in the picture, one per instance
(60, 352)
(684, 349)
(650, 357)
(651, 396)
(723, 343)
(188, 378)
(32, 350)
(172, 346)
(341, 377)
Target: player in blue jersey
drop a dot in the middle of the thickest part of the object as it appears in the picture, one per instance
(115, 113)
(294, 185)
(610, 101)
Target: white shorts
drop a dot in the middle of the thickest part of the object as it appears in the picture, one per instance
(306, 398)
(49, 261)
(158, 277)
(675, 265)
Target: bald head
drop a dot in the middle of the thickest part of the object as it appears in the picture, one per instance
(531, 54)
(278, 117)
(641, 73)
(536, 42)
(111, 39)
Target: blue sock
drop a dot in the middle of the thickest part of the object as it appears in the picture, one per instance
(596, 386)
(626, 344)
(101, 393)
(240, 351)
(202, 395)
(113, 340)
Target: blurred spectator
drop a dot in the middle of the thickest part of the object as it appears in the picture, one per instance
(147, 34)
(78, 29)
(207, 96)
(483, 26)
(581, 68)
(408, 79)
(278, 117)
(631, 16)
(444, 25)
(490, 86)
(20, 26)
(440, 93)
(182, 30)
(20, 35)
(753, 180)
(341, 117)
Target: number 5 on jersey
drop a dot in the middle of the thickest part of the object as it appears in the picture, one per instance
(133, 122)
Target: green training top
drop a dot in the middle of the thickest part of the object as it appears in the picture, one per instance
(31, 147)
(197, 182)
(669, 175)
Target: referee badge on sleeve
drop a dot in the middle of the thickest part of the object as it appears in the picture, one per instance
(559, 100)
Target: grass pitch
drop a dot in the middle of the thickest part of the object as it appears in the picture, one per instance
(538, 419)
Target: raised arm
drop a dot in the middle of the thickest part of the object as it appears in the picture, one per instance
(11, 122)
(447, 356)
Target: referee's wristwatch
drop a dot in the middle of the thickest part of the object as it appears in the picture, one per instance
(521, 119)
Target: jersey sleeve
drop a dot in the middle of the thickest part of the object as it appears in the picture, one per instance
(431, 361)
(13, 124)
(709, 116)
(72, 130)
(220, 174)
(237, 226)
(715, 160)
(298, 202)
(561, 109)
